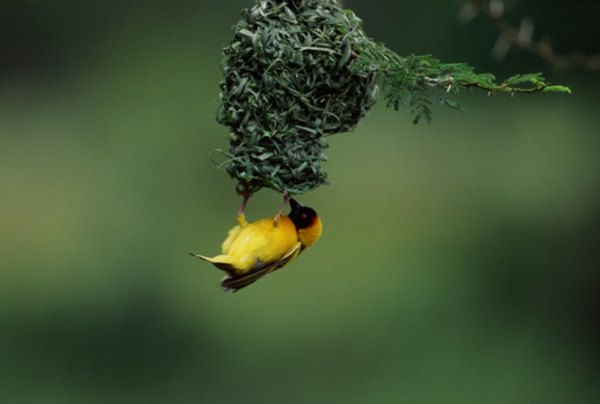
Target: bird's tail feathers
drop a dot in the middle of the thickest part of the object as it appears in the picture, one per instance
(223, 262)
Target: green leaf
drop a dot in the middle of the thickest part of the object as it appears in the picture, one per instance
(557, 89)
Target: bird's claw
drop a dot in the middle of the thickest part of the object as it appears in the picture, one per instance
(286, 200)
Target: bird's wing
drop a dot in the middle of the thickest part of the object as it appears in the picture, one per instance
(237, 282)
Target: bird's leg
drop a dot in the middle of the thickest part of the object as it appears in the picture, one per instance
(241, 217)
(242, 208)
(286, 200)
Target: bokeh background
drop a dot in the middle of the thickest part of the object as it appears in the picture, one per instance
(459, 264)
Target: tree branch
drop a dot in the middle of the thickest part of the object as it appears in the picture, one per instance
(522, 38)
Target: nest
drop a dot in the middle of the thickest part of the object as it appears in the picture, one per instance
(287, 85)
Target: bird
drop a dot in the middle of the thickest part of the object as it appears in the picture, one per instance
(253, 250)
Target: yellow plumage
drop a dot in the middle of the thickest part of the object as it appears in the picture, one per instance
(252, 250)
(250, 245)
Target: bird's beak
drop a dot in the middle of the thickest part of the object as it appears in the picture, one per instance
(295, 205)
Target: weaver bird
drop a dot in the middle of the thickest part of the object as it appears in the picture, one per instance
(252, 250)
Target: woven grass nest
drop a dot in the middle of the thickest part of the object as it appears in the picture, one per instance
(287, 85)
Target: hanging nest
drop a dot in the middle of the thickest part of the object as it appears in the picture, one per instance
(288, 84)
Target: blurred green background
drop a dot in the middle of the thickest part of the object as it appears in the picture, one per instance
(459, 261)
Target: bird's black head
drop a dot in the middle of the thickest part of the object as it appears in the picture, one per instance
(301, 216)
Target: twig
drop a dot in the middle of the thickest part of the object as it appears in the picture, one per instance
(448, 83)
(523, 38)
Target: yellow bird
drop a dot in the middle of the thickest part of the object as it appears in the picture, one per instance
(252, 250)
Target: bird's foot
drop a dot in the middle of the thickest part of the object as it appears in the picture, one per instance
(286, 200)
